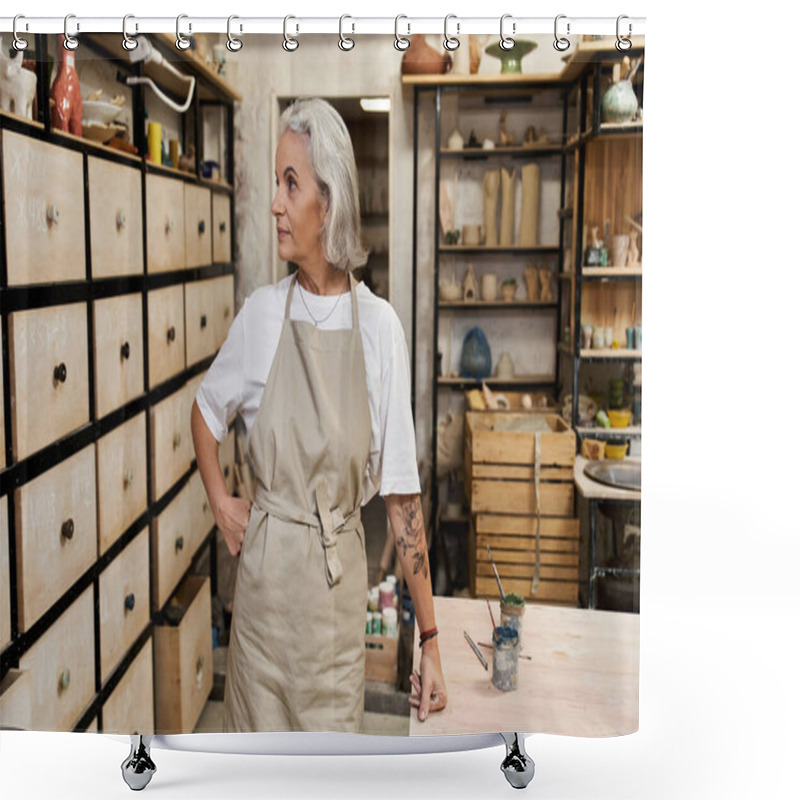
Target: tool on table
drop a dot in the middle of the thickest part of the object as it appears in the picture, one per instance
(476, 651)
(499, 585)
(491, 647)
(492, 616)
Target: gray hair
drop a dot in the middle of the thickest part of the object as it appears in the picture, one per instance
(333, 163)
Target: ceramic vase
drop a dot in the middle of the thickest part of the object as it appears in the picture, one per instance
(491, 188)
(506, 207)
(532, 283)
(489, 287)
(545, 289)
(529, 213)
(619, 250)
(619, 103)
(505, 367)
(422, 59)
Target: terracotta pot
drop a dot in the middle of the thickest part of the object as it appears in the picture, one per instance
(421, 59)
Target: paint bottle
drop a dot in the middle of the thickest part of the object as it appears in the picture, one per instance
(373, 599)
(386, 595)
(376, 623)
(369, 623)
(505, 663)
(389, 622)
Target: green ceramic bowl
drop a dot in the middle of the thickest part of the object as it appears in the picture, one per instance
(511, 60)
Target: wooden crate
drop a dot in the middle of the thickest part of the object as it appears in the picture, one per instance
(514, 402)
(381, 658)
(513, 543)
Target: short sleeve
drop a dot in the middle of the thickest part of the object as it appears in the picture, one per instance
(399, 473)
(220, 394)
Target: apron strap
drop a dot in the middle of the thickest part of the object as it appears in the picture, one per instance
(333, 523)
(289, 296)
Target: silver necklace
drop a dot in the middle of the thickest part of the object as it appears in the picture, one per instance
(317, 321)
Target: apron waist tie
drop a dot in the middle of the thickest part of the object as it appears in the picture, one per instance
(329, 524)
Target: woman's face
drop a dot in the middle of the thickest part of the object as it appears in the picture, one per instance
(298, 204)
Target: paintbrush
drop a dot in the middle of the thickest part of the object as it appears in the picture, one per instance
(476, 651)
(491, 647)
(492, 616)
(499, 585)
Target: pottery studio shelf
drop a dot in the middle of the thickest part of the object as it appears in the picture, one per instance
(594, 432)
(521, 151)
(602, 273)
(517, 380)
(603, 354)
(495, 250)
(505, 305)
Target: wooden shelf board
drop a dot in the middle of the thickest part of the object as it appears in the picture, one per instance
(588, 431)
(17, 118)
(589, 273)
(486, 304)
(517, 380)
(451, 79)
(482, 248)
(95, 145)
(587, 53)
(519, 150)
(610, 353)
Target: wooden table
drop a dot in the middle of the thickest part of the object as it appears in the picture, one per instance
(582, 680)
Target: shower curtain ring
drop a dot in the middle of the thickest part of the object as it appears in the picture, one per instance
(290, 44)
(345, 43)
(128, 42)
(400, 42)
(181, 42)
(623, 44)
(19, 44)
(561, 43)
(70, 42)
(507, 42)
(234, 45)
(450, 42)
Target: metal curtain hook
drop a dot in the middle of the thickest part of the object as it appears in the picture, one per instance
(19, 44)
(450, 42)
(400, 42)
(181, 42)
(290, 44)
(128, 42)
(507, 42)
(70, 42)
(561, 43)
(345, 43)
(234, 45)
(623, 44)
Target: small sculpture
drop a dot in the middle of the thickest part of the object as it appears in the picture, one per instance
(532, 283)
(530, 135)
(509, 289)
(66, 92)
(17, 84)
(633, 250)
(506, 139)
(470, 284)
(545, 293)
(473, 140)
(456, 140)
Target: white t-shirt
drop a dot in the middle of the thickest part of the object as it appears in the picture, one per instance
(236, 378)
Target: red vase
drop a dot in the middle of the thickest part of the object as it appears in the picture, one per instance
(421, 59)
(66, 93)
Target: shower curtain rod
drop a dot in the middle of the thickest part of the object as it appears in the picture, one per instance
(295, 25)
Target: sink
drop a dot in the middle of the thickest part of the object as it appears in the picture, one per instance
(619, 474)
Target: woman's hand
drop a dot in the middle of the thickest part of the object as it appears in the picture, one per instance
(428, 682)
(232, 515)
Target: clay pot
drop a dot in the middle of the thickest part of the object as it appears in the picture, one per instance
(422, 59)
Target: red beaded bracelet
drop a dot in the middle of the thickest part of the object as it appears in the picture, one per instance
(425, 635)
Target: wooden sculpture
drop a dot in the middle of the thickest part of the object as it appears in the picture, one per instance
(66, 92)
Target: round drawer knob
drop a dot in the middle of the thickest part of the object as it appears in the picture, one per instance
(200, 662)
(227, 312)
(68, 529)
(179, 543)
(60, 373)
(125, 350)
(52, 214)
(203, 321)
(63, 681)
(227, 470)
(130, 602)
(169, 226)
(128, 479)
(121, 220)
(222, 227)
(171, 333)
(176, 441)
(205, 506)
(201, 226)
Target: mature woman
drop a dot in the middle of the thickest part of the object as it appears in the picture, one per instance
(318, 368)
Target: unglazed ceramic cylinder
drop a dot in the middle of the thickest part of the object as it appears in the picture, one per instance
(491, 186)
(506, 207)
(529, 215)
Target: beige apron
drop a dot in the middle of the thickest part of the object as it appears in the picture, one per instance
(296, 654)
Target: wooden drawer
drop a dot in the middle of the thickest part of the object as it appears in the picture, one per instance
(165, 333)
(197, 212)
(221, 239)
(124, 601)
(5, 576)
(172, 449)
(184, 660)
(209, 314)
(43, 194)
(130, 708)
(121, 479)
(15, 700)
(166, 249)
(56, 528)
(172, 540)
(381, 658)
(201, 517)
(227, 458)
(61, 667)
(49, 375)
(513, 543)
(118, 352)
(115, 218)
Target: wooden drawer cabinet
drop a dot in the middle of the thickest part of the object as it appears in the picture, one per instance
(209, 314)
(227, 457)
(165, 333)
(115, 218)
(49, 375)
(197, 213)
(61, 667)
(118, 352)
(184, 661)
(221, 239)
(44, 222)
(15, 700)
(172, 545)
(130, 708)
(124, 601)
(5, 576)
(201, 518)
(166, 248)
(56, 528)
(171, 446)
(121, 479)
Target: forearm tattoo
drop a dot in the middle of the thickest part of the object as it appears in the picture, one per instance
(413, 534)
